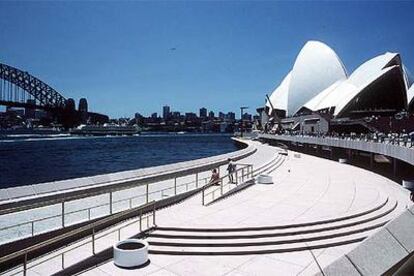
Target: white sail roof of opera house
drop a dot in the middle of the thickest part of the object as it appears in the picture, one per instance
(279, 97)
(316, 67)
(341, 93)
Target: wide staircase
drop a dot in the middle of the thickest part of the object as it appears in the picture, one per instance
(347, 229)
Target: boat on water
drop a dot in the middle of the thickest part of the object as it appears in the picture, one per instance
(106, 130)
(31, 132)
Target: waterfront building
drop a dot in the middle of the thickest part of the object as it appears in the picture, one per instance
(190, 116)
(231, 116)
(318, 84)
(247, 117)
(221, 115)
(165, 112)
(211, 115)
(176, 115)
(203, 112)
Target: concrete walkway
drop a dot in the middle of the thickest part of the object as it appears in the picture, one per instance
(306, 189)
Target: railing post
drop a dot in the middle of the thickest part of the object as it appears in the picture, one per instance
(110, 202)
(130, 203)
(175, 185)
(140, 221)
(32, 228)
(237, 180)
(63, 214)
(93, 240)
(146, 193)
(196, 179)
(119, 234)
(89, 213)
(25, 265)
(221, 187)
(202, 196)
(153, 215)
(63, 260)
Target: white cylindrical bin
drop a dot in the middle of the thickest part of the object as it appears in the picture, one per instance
(265, 179)
(342, 160)
(131, 253)
(408, 184)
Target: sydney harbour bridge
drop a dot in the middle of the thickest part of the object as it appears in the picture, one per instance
(22, 90)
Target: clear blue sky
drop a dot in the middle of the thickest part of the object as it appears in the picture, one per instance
(228, 54)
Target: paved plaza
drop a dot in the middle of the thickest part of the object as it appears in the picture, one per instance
(306, 189)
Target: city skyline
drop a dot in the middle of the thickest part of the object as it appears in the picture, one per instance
(133, 57)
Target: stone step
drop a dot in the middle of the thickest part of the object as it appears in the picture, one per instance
(299, 245)
(274, 162)
(266, 238)
(383, 209)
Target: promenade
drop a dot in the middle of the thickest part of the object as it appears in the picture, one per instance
(316, 211)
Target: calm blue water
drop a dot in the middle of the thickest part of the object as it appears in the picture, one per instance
(39, 160)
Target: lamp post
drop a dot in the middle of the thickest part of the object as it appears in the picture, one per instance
(242, 108)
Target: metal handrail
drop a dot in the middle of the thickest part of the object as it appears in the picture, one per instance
(73, 233)
(128, 199)
(86, 191)
(62, 253)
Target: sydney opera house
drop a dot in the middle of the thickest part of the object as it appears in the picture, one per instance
(319, 95)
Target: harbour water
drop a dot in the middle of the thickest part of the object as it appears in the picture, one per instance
(37, 160)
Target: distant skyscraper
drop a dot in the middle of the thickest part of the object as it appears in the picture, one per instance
(211, 114)
(176, 115)
(203, 112)
(166, 112)
(247, 117)
(190, 116)
(221, 115)
(154, 115)
(83, 105)
(231, 116)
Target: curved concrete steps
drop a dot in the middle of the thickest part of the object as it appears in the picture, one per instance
(347, 229)
(270, 166)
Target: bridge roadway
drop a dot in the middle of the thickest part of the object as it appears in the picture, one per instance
(398, 151)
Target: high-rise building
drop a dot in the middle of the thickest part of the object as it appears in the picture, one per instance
(189, 116)
(166, 112)
(231, 116)
(83, 105)
(211, 115)
(221, 115)
(176, 115)
(247, 117)
(154, 115)
(203, 112)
